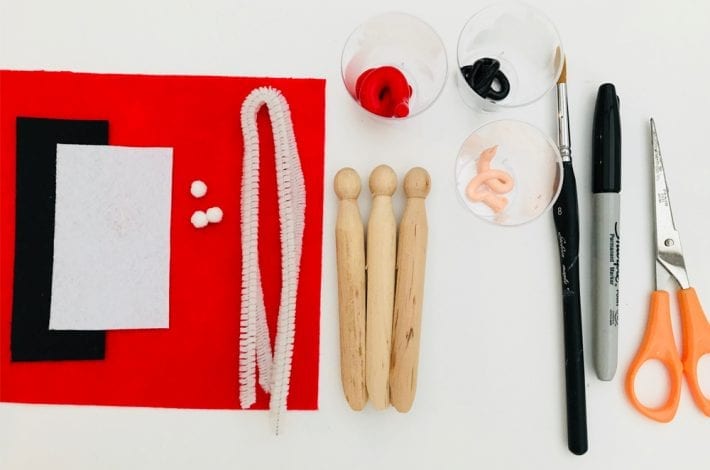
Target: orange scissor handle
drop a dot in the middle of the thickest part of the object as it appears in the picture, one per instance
(696, 343)
(658, 343)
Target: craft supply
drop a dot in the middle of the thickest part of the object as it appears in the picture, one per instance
(214, 215)
(111, 268)
(508, 172)
(488, 185)
(409, 293)
(381, 262)
(486, 79)
(394, 66)
(566, 215)
(199, 219)
(198, 188)
(606, 185)
(350, 251)
(193, 364)
(36, 179)
(505, 56)
(255, 347)
(658, 340)
(384, 91)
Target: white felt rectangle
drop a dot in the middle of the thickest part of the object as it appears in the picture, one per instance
(111, 238)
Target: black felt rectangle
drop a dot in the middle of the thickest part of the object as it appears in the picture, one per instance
(31, 339)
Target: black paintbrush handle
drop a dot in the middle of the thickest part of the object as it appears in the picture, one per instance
(566, 215)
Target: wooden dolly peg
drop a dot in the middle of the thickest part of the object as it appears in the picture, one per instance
(381, 259)
(350, 249)
(411, 260)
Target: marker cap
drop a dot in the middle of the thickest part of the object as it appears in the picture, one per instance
(606, 142)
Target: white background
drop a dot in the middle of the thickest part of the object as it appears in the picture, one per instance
(491, 389)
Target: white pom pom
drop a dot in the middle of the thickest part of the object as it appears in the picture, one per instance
(198, 188)
(199, 219)
(214, 215)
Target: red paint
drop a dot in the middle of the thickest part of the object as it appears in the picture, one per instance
(194, 363)
(384, 91)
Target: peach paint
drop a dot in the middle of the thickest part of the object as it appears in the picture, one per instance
(488, 185)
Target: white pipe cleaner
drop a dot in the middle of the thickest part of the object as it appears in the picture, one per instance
(255, 347)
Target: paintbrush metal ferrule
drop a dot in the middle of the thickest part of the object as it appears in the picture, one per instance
(563, 123)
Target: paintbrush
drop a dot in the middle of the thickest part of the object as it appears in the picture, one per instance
(566, 216)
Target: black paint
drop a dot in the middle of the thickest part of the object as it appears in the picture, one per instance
(482, 75)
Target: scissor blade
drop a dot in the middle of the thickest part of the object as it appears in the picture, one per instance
(669, 252)
(664, 213)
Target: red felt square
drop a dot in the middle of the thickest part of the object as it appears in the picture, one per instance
(194, 363)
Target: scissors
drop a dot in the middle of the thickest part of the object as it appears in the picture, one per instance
(658, 342)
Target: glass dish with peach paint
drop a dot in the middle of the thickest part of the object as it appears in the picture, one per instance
(508, 172)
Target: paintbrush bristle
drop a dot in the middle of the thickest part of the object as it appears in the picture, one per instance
(563, 74)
